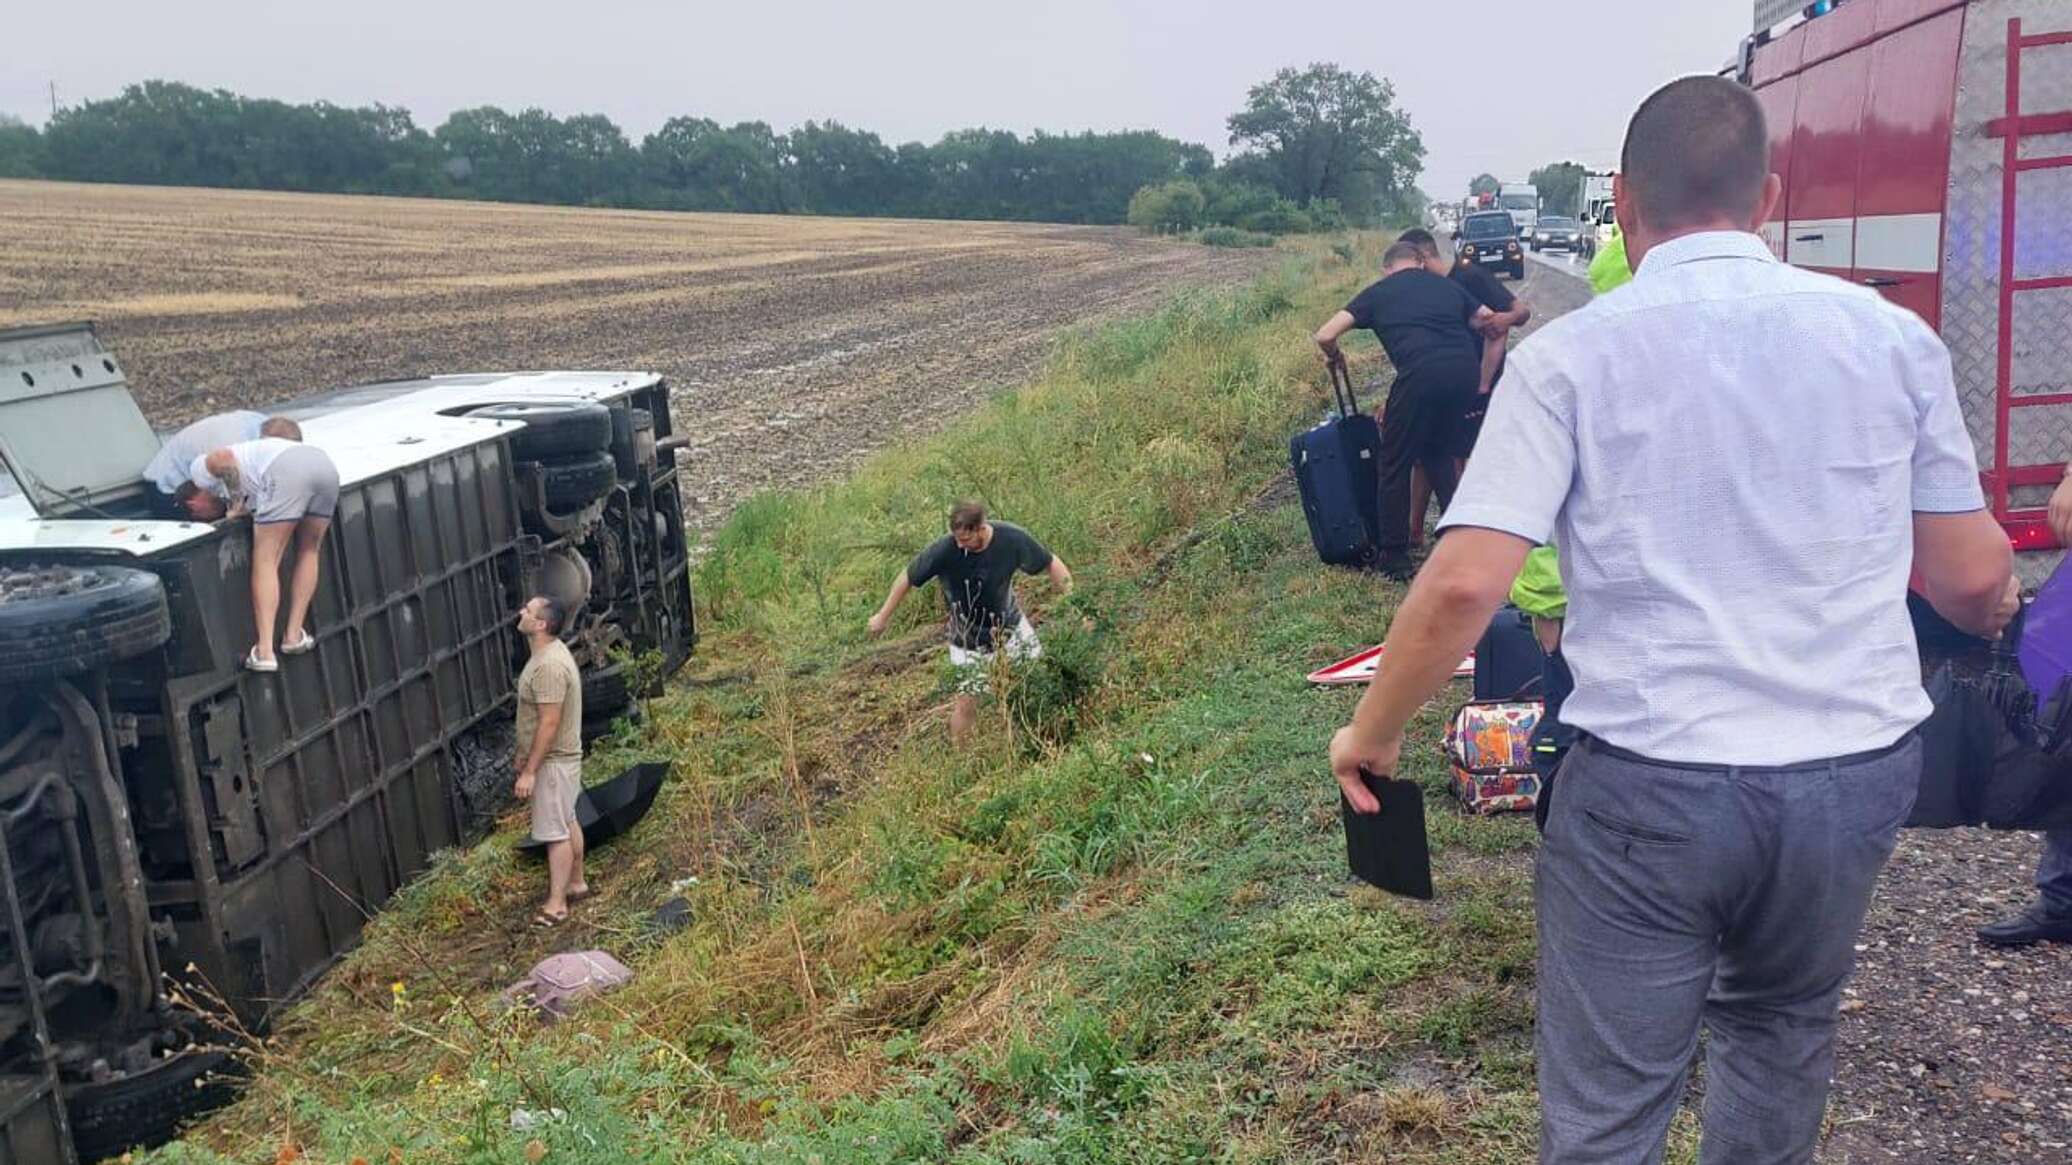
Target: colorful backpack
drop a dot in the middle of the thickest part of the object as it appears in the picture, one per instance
(1489, 749)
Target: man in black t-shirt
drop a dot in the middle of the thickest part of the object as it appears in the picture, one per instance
(1423, 322)
(1492, 334)
(975, 565)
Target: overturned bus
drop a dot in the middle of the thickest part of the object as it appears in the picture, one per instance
(161, 807)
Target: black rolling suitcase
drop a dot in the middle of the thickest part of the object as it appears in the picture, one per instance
(1338, 471)
(1509, 662)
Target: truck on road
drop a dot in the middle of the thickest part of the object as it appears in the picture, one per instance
(166, 813)
(1522, 200)
(1594, 211)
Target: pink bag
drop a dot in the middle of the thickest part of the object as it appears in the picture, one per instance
(558, 982)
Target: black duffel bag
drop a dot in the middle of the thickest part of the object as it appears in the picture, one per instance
(1989, 755)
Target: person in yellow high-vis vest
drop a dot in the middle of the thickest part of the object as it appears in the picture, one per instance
(1538, 593)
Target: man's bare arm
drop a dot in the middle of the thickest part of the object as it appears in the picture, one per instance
(900, 587)
(1447, 610)
(1060, 575)
(1492, 360)
(1496, 325)
(1327, 336)
(542, 743)
(2060, 511)
(1967, 570)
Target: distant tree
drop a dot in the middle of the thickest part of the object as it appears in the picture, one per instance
(1485, 184)
(1558, 184)
(21, 148)
(839, 170)
(1168, 207)
(693, 164)
(483, 152)
(1325, 132)
(158, 132)
(1407, 209)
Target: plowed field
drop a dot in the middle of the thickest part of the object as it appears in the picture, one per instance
(795, 345)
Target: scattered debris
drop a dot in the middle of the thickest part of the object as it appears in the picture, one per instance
(524, 1120)
(671, 916)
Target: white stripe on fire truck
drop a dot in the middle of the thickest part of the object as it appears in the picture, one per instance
(1907, 243)
(1899, 242)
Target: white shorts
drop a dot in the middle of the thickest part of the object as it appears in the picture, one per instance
(973, 670)
(555, 788)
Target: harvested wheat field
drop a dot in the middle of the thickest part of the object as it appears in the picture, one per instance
(796, 345)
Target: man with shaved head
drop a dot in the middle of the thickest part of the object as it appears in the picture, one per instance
(1740, 461)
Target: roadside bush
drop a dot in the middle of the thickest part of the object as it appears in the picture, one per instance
(1233, 237)
(1325, 215)
(1282, 217)
(1168, 208)
(1230, 202)
(1049, 695)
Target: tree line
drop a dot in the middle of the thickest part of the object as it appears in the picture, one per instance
(169, 133)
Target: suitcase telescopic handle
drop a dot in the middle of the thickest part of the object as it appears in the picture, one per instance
(1342, 389)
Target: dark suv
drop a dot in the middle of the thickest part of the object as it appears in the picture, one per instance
(1490, 238)
(1556, 232)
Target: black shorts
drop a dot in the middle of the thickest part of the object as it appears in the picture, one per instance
(1468, 428)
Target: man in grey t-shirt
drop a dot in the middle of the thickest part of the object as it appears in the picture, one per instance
(1740, 461)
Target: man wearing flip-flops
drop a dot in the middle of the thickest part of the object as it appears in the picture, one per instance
(550, 753)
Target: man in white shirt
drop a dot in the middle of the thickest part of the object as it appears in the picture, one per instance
(1739, 460)
(168, 470)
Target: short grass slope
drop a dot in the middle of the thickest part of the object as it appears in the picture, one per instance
(1118, 930)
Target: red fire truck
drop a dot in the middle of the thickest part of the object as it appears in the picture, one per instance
(1926, 150)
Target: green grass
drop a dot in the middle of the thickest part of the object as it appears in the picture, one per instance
(1118, 930)
(1233, 237)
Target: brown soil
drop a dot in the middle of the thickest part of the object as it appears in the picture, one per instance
(796, 345)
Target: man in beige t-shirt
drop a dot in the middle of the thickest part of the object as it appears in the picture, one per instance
(550, 753)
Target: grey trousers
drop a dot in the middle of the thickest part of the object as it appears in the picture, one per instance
(1673, 897)
(2054, 873)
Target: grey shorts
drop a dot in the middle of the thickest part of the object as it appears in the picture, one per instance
(554, 791)
(301, 483)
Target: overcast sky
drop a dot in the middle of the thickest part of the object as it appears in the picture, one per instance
(1497, 85)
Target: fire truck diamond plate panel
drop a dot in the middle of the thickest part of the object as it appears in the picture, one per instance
(1971, 238)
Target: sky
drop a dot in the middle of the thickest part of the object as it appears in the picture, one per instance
(1502, 86)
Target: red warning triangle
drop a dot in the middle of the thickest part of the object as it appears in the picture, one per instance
(1359, 669)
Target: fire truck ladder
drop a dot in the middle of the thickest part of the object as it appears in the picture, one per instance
(2026, 528)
